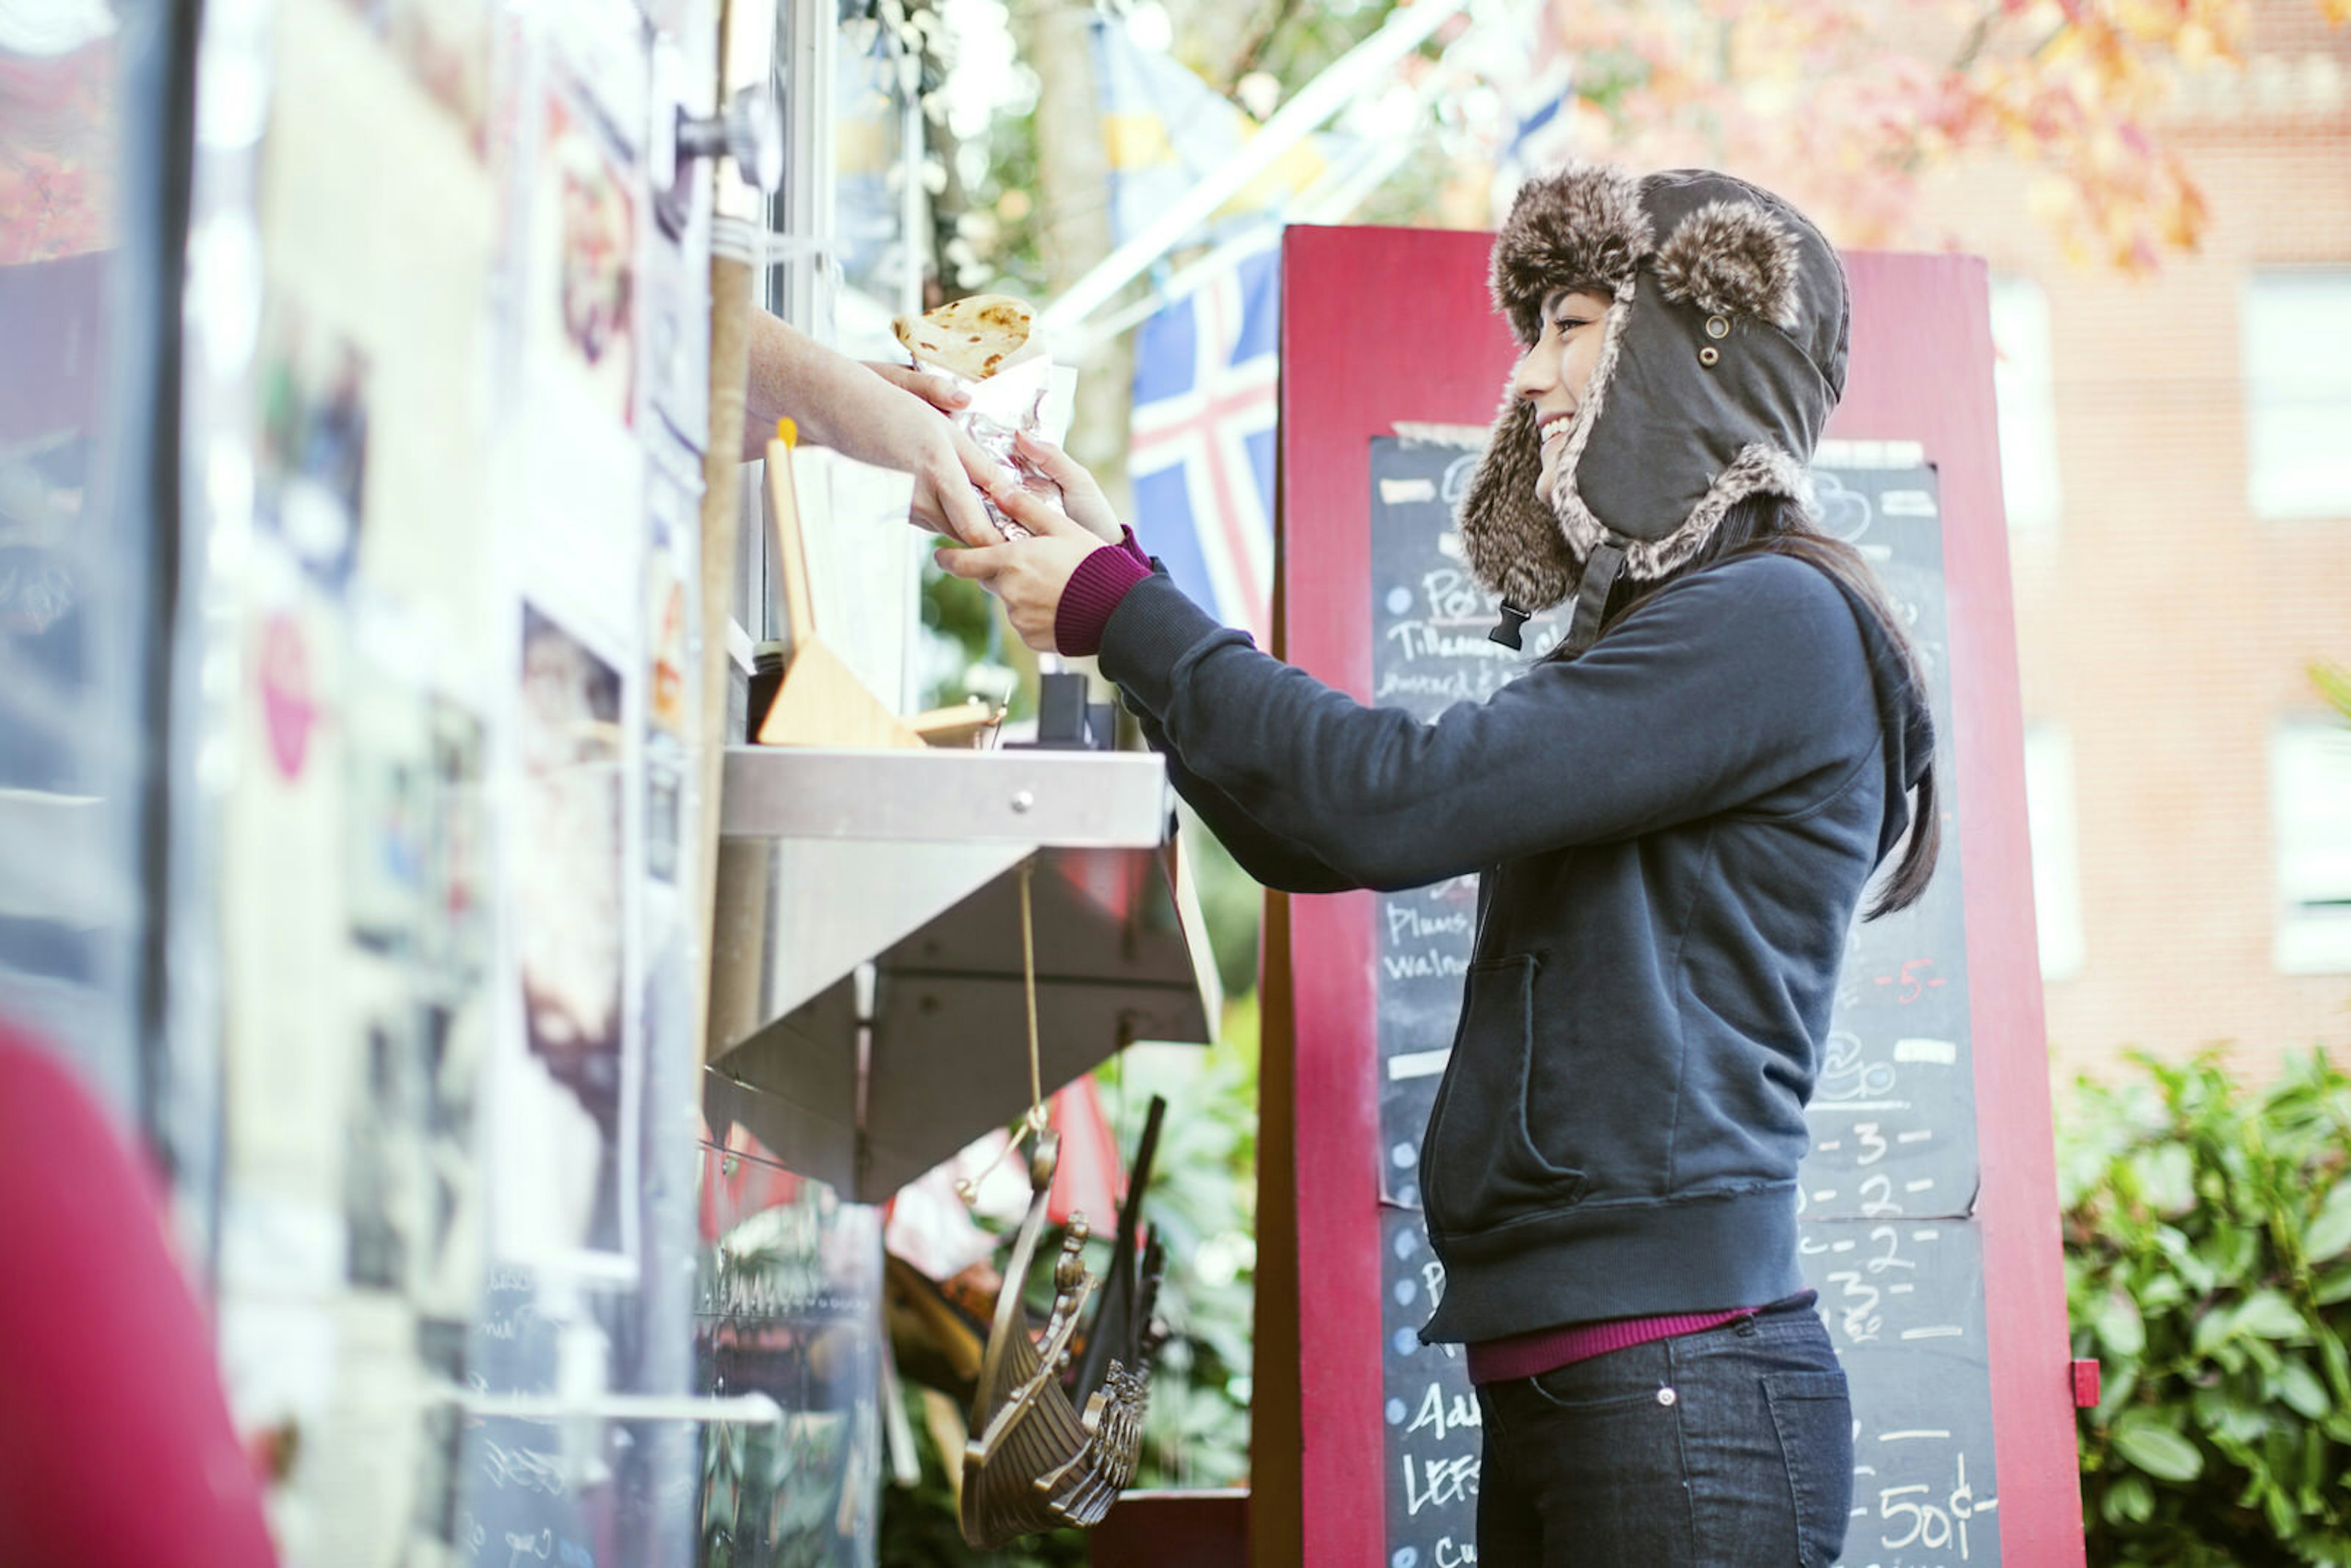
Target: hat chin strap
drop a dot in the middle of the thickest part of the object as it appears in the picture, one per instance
(1591, 593)
(1600, 574)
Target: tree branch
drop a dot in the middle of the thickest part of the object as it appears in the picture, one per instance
(1247, 61)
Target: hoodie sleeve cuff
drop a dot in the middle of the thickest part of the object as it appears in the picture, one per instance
(1132, 547)
(1094, 589)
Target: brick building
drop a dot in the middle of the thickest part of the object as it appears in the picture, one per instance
(2178, 454)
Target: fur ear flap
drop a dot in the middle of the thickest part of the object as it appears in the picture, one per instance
(1732, 258)
(1583, 227)
(1508, 532)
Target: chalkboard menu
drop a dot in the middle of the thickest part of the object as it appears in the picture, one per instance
(1887, 1235)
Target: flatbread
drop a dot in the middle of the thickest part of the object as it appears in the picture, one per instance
(973, 336)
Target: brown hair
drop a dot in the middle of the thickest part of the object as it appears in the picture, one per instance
(1774, 525)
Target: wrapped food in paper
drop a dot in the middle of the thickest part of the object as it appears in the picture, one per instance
(989, 346)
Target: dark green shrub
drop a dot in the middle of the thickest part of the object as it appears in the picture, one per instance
(2208, 1267)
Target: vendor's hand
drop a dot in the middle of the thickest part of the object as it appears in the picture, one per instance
(946, 507)
(1029, 575)
(891, 419)
(948, 475)
(892, 425)
(941, 390)
(1082, 496)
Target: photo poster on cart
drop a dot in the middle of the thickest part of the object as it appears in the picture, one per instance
(1886, 1234)
(593, 1148)
(450, 795)
(339, 815)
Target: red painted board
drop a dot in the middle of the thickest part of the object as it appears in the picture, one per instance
(1202, 1528)
(1921, 371)
(1378, 325)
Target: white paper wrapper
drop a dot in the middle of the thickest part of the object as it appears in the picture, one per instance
(1031, 394)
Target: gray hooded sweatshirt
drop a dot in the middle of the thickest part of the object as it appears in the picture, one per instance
(1674, 832)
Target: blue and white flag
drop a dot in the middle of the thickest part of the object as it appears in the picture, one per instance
(1166, 130)
(1206, 375)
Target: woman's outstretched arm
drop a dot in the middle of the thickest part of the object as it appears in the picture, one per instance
(1280, 863)
(1746, 687)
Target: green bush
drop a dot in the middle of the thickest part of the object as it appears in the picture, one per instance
(2208, 1267)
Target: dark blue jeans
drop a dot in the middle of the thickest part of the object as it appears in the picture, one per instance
(1731, 1449)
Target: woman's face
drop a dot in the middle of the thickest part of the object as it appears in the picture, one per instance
(1554, 373)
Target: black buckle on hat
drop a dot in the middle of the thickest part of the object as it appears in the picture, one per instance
(1506, 631)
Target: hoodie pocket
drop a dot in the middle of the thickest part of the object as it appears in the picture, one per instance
(1479, 1165)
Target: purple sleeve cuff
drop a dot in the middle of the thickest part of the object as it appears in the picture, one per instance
(1094, 589)
(1131, 547)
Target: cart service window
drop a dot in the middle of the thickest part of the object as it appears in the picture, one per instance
(2310, 795)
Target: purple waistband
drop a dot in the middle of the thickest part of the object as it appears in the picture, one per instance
(1548, 1350)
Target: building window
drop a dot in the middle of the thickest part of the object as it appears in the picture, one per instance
(2310, 813)
(2056, 859)
(2298, 350)
(2026, 388)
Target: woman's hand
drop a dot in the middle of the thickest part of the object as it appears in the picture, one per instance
(1082, 496)
(1029, 575)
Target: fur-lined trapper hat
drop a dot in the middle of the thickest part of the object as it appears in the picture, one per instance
(1722, 353)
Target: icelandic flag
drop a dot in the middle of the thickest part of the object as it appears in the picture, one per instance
(1207, 373)
(1165, 129)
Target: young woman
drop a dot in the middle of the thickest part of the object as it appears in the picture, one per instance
(1673, 816)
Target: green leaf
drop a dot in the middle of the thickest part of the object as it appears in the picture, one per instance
(2129, 1499)
(2300, 1388)
(2119, 1325)
(2158, 1451)
(2269, 1315)
(2117, 1386)
(2167, 1176)
(2223, 1416)
(2333, 1286)
(2281, 1511)
(2329, 1236)
(2230, 1251)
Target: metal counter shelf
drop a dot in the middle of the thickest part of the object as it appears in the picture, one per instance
(868, 1017)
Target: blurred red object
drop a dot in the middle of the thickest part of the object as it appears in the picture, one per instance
(1090, 1178)
(740, 1180)
(116, 1450)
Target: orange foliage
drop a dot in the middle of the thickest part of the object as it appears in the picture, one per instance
(1844, 104)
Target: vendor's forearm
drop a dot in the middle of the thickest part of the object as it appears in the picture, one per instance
(791, 376)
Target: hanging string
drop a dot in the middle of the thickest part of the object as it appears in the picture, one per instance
(1028, 980)
(1034, 1122)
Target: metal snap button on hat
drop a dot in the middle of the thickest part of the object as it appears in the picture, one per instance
(1717, 327)
(1667, 1396)
(1709, 356)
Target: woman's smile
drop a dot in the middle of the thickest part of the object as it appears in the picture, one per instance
(1555, 371)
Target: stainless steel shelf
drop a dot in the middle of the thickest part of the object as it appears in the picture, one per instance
(1096, 800)
(868, 1017)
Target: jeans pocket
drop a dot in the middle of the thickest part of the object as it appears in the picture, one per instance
(1599, 1452)
(1813, 1412)
(1560, 1395)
